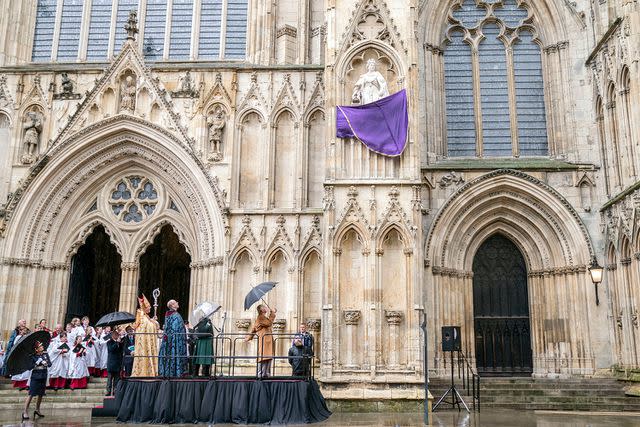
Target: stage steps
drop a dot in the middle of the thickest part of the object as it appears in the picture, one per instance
(12, 399)
(575, 394)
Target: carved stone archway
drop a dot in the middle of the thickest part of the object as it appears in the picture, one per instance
(556, 247)
(64, 195)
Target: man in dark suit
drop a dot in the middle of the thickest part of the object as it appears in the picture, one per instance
(114, 362)
(128, 345)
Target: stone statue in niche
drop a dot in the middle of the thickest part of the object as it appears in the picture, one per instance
(186, 84)
(32, 130)
(128, 95)
(216, 122)
(370, 86)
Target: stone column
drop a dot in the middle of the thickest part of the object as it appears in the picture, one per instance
(351, 318)
(313, 326)
(394, 318)
(279, 341)
(129, 287)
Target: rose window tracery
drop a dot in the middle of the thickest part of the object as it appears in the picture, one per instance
(133, 199)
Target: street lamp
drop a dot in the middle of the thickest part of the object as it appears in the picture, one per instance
(595, 270)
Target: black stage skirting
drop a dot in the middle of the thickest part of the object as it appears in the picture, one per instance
(220, 401)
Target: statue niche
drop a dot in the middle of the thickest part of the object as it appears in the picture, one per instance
(370, 75)
(216, 120)
(32, 126)
(128, 92)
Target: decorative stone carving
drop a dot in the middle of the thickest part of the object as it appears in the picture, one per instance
(279, 325)
(393, 317)
(32, 130)
(215, 123)
(352, 317)
(450, 179)
(314, 324)
(131, 27)
(243, 324)
(370, 86)
(67, 89)
(186, 87)
(133, 199)
(128, 94)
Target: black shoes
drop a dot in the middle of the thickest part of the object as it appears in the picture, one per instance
(37, 414)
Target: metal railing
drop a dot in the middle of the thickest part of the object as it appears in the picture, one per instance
(228, 357)
(467, 373)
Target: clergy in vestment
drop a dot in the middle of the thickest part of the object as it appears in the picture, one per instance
(173, 349)
(146, 348)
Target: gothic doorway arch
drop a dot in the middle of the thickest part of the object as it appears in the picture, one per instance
(94, 283)
(166, 265)
(501, 309)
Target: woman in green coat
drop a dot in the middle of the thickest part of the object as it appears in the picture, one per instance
(203, 333)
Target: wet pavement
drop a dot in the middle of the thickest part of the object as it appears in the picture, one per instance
(489, 417)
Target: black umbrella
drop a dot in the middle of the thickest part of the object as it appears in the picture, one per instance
(19, 358)
(257, 293)
(116, 318)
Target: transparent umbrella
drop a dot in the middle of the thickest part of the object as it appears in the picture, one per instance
(202, 310)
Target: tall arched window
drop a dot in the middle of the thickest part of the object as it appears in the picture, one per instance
(494, 91)
(614, 133)
(625, 99)
(602, 135)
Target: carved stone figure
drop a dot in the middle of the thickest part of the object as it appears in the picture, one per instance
(370, 86)
(187, 83)
(128, 95)
(32, 129)
(67, 85)
(216, 123)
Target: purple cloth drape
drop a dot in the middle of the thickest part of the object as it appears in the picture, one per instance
(380, 125)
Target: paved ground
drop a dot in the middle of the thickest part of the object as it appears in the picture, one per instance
(489, 418)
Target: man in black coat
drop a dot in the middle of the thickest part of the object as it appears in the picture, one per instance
(299, 358)
(128, 344)
(114, 362)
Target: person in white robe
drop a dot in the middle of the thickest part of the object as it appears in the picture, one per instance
(78, 372)
(59, 351)
(102, 350)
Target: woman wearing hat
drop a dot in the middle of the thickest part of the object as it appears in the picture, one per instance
(41, 363)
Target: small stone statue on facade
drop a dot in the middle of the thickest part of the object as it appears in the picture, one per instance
(32, 129)
(128, 95)
(187, 82)
(67, 85)
(370, 86)
(186, 87)
(216, 122)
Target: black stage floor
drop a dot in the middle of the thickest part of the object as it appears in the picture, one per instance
(217, 401)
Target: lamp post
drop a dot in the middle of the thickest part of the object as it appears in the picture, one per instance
(595, 270)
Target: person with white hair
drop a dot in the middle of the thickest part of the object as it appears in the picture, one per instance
(173, 349)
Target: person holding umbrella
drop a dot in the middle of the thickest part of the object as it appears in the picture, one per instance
(40, 364)
(262, 328)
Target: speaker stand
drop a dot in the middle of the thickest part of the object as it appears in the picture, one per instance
(456, 399)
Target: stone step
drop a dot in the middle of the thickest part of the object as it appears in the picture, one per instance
(563, 406)
(57, 399)
(562, 399)
(554, 392)
(90, 385)
(65, 392)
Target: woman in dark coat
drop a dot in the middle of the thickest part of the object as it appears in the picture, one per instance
(203, 334)
(40, 363)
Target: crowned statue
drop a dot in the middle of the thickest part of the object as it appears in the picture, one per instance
(146, 342)
(371, 86)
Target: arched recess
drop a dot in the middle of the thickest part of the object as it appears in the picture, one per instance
(314, 159)
(61, 197)
(242, 278)
(5, 148)
(283, 296)
(250, 161)
(556, 247)
(284, 162)
(311, 285)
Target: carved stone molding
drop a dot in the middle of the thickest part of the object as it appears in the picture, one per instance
(243, 324)
(351, 317)
(279, 325)
(314, 324)
(394, 317)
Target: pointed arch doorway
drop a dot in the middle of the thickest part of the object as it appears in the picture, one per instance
(501, 309)
(166, 265)
(94, 283)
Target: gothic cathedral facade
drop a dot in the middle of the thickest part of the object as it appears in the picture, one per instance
(190, 146)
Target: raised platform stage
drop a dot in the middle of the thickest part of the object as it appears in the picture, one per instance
(216, 401)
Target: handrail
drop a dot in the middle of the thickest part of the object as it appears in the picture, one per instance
(469, 374)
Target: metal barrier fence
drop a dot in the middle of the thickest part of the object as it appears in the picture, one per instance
(229, 356)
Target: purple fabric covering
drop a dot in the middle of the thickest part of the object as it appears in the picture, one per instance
(380, 125)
